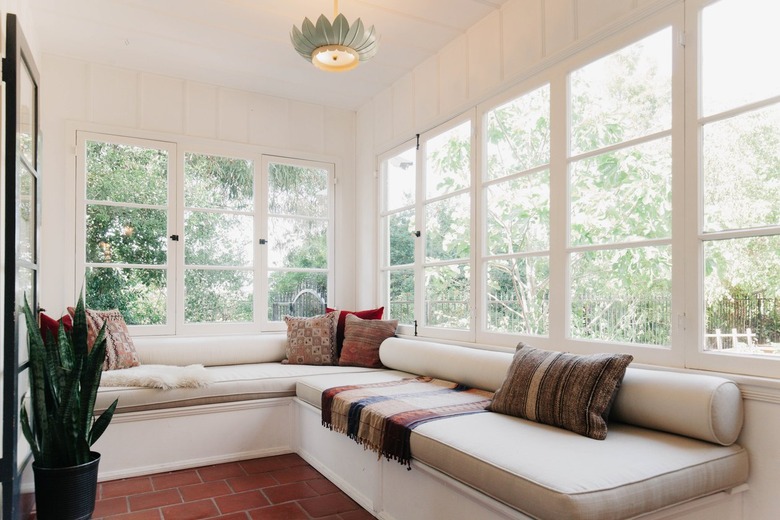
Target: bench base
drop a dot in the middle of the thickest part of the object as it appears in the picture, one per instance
(391, 492)
(142, 443)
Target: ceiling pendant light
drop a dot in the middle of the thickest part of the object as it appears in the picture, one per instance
(336, 46)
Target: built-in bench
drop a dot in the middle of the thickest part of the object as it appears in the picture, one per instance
(670, 450)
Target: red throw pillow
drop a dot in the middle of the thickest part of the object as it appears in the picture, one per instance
(51, 326)
(369, 314)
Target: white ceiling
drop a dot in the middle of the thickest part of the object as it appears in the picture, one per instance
(245, 44)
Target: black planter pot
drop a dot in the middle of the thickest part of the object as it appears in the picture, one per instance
(66, 493)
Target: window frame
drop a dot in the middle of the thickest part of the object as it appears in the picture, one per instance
(177, 149)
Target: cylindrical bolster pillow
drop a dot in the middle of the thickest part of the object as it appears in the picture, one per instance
(211, 350)
(477, 368)
(700, 406)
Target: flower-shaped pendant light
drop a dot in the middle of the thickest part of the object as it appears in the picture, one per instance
(334, 46)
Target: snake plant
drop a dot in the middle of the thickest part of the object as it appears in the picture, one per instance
(64, 379)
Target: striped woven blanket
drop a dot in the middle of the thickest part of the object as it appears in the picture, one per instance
(381, 416)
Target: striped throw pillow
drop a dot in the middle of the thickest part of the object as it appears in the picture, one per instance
(362, 339)
(569, 391)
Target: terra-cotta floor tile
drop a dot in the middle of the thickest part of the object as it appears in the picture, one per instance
(289, 511)
(255, 481)
(241, 501)
(288, 492)
(221, 471)
(205, 490)
(175, 479)
(328, 505)
(124, 487)
(191, 510)
(154, 499)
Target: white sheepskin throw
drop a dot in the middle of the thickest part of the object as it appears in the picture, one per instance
(158, 376)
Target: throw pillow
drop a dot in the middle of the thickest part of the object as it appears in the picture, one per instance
(50, 326)
(120, 350)
(369, 314)
(362, 339)
(312, 341)
(564, 390)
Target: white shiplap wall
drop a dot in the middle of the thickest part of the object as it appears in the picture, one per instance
(78, 94)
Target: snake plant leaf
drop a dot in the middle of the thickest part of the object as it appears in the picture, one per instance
(91, 382)
(102, 422)
(38, 375)
(27, 430)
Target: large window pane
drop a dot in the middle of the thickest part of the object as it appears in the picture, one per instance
(622, 295)
(518, 214)
(297, 190)
(624, 95)
(447, 293)
(25, 242)
(401, 296)
(448, 228)
(218, 239)
(741, 168)
(218, 182)
(125, 173)
(139, 294)
(518, 134)
(739, 50)
(448, 161)
(401, 234)
(625, 195)
(218, 296)
(742, 295)
(296, 293)
(118, 234)
(299, 243)
(400, 178)
(518, 293)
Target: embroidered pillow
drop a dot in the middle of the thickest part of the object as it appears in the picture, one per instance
(362, 339)
(120, 350)
(564, 390)
(311, 341)
(369, 314)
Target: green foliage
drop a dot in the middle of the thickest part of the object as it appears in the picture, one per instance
(64, 380)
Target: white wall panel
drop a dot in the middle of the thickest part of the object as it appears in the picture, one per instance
(403, 108)
(113, 96)
(485, 60)
(522, 35)
(162, 103)
(365, 210)
(201, 110)
(233, 118)
(559, 24)
(454, 75)
(307, 122)
(383, 114)
(426, 94)
(595, 14)
(269, 120)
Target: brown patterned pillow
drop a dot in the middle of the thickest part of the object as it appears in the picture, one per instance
(312, 341)
(120, 350)
(362, 339)
(564, 390)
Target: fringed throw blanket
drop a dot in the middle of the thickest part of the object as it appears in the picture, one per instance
(381, 416)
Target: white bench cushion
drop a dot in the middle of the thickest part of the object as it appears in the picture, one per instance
(551, 473)
(231, 383)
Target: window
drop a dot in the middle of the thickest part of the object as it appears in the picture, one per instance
(299, 230)
(216, 243)
(427, 216)
(620, 194)
(739, 225)
(127, 217)
(516, 206)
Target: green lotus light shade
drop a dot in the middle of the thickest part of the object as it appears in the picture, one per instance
(336, 46)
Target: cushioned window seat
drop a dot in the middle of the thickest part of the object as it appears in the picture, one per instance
(685, 453)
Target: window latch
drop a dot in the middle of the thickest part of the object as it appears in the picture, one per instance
(417, 234)
(175, 238)
(262, 241)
